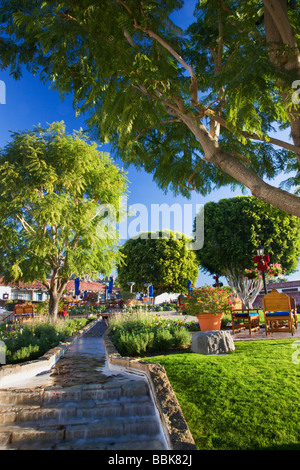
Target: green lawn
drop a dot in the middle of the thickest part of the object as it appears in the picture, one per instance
(248, 399)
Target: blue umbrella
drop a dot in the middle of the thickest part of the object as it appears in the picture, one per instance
(110, 285)
(189, 286)
(77, 283)
(106, 292)
(151, 291)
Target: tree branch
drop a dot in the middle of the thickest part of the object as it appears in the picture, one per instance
(265, 138)
(25, 225)
(280, 18)
(194, 82)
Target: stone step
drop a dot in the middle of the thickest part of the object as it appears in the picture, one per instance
(123, 444)
(116, 413)
(91, 409)
(35, 434)
(114, 389)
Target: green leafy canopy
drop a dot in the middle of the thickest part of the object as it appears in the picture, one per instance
(233, 229)
(197, 109)
(161, 258)
(52, 188)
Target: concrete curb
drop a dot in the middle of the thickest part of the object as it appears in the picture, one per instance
(13, 372)
(172, 419)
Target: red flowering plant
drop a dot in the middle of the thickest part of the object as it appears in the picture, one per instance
(207, 299)
(63, 313)
(275, 270)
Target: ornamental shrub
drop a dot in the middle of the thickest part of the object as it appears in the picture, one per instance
(134, 344)
(139, 333)
(181, 337)
(163, 340)
(206, 299)
(30, 341)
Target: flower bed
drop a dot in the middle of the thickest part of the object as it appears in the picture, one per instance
(141, 333)
(30, 341)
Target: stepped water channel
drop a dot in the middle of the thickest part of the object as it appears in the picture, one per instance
(80, 404)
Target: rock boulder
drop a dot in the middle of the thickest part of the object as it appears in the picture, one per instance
(212, 342)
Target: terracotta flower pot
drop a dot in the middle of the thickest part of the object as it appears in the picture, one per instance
(209, 321)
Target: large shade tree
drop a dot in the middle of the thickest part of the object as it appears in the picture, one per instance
(55, 194)
(233, 229)
(161, 258)
(198, 110)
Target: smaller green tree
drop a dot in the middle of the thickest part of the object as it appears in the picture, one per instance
(161, 258)
(233, 229)
(56, 194)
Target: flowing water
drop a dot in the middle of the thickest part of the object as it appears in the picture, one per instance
(80, 404)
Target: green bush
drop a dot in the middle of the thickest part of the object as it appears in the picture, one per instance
(163, 340)
(132, 344)
(181, 337)
(30, 341)
(140, 332)
(25, 353)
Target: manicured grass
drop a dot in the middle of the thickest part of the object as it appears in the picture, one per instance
(248, 399)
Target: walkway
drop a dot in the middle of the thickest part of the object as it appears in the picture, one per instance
(261, 335)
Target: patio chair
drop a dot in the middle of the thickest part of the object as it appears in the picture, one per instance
(278, 312)
(18, 313)
(27, 313)
(294, 310)
(244, 318)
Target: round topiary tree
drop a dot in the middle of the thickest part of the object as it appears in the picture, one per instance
(233, 229)
(161, 258)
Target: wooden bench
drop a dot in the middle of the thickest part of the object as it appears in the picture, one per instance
(278, 312)
(23, 313)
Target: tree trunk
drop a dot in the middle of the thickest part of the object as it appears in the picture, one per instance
(53, 304)
(226, 162)
(246, 289)
(283, 53)
(57, 286)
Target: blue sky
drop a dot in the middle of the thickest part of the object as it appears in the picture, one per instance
(29, 103)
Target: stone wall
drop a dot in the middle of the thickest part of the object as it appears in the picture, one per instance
(172, 419)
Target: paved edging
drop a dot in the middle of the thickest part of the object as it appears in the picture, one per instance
(12, 372)
(172, 419)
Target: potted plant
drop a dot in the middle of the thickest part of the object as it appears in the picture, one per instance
(208, 304)
(128, 297)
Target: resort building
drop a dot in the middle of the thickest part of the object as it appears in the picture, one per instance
(291, 288)
(37, 292)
